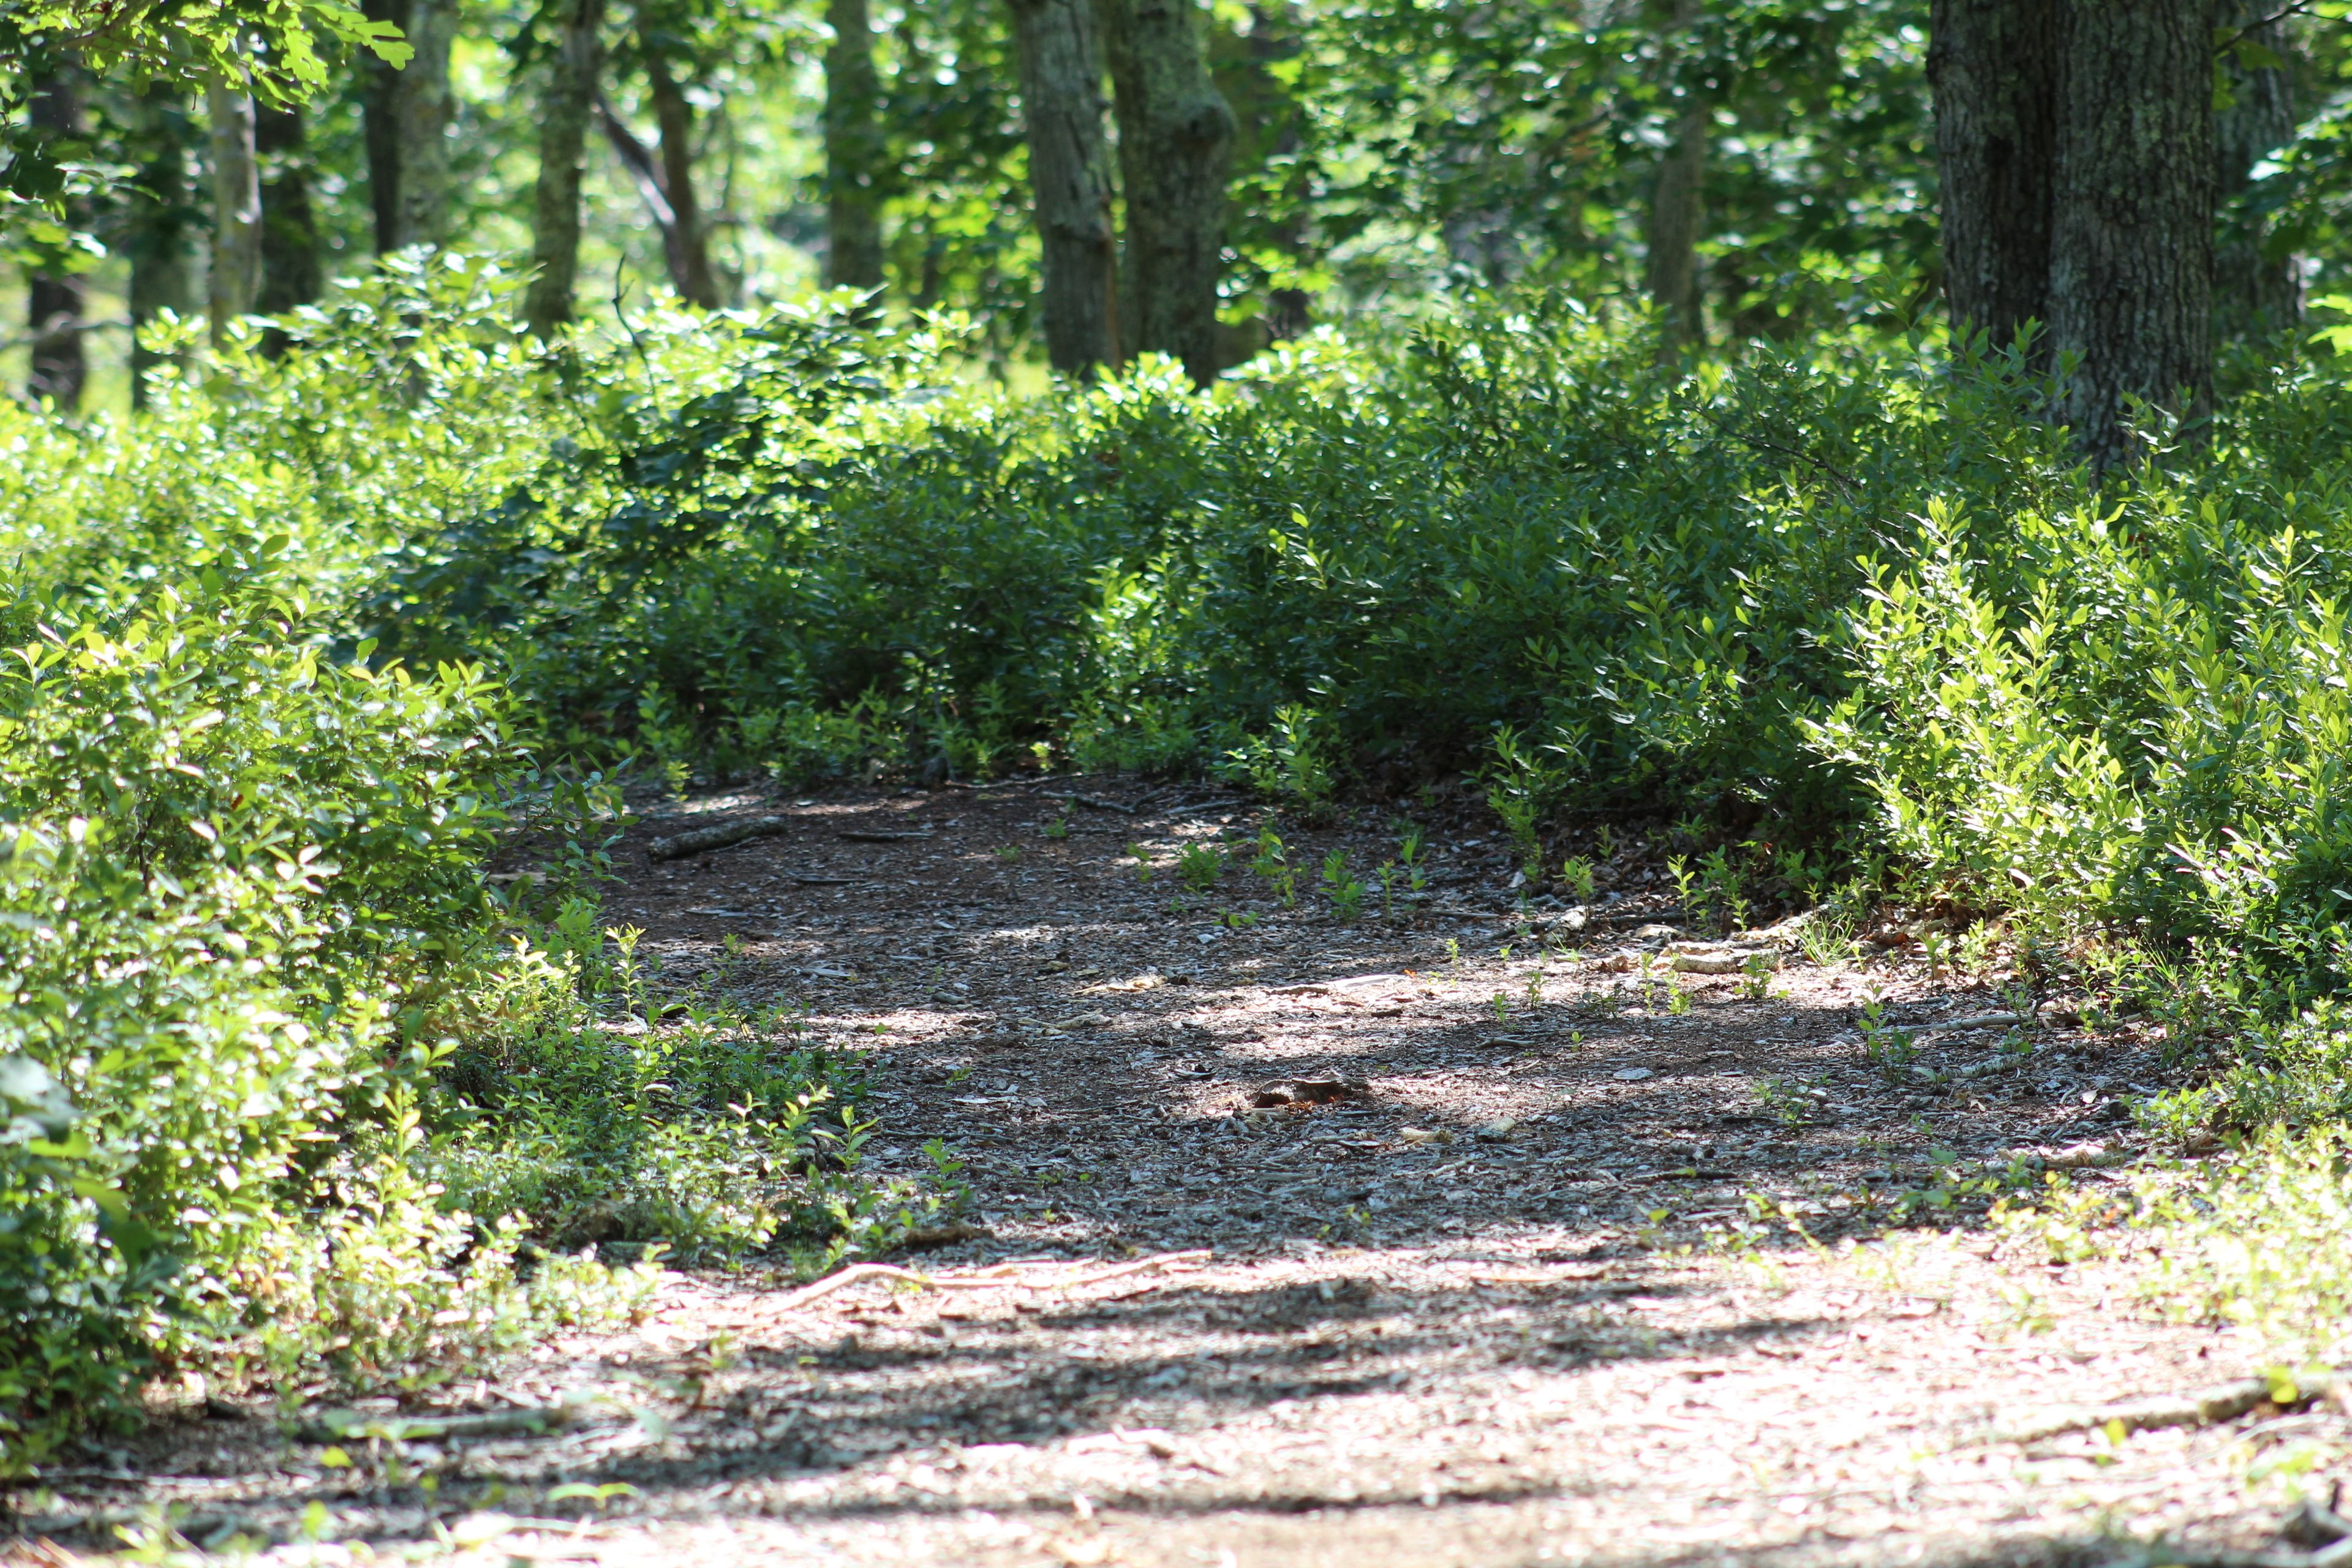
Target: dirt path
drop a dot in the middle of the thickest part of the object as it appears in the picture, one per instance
(1504, 1299)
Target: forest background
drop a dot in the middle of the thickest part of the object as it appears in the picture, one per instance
(1900, 448)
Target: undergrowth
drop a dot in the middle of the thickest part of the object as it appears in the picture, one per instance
(296, 653)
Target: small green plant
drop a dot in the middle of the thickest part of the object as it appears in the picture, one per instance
(1413, 851)
(1290, 765)
(1521, 787)
(1678, 997)
(1784, 1102)
(1500, 1005)
(1577, 875)
(1387, 875)
(1347, 894)
(1198, 867)
(1141, 855)
(1008, 853)
(1756, 978)
(1273, 864)
(1891, 1050)
(1059, 828)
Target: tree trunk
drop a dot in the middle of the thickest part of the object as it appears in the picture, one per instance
(422, 108)
(162, 218)
(1998, 71)
(2256, 293)
(686, 246)
(1070, 178)
(565, 109)
(54, 299)
(380, 128)
(1676, 213)
(2131, 275)
(290, 273)
(854, 151)
(1174, 134)
(237, 204)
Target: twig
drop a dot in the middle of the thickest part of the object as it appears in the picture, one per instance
(877, 836)
(704, 839)
(992, 1278)
(2198, 1407)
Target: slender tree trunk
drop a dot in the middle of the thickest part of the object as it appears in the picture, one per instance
(1070, 178)
(2256, 291)
(564, 111)
(162, 222)
(54, 299)
(380, 128)
(689, 247)
(1999, 74)
(2131, 275)
(1677, 213)
(422, 108)
(236, 205)
(290, 273)
(853, 149)
(1174, 134)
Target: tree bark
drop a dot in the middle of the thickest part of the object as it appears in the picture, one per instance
(237, 204)
(2131, 274)
(2256, 293)
(853, 149)
(569, 100)
(685, 245)
(1677, 211)
(1175, 133)
(291, 270)
(380, 128)
(54, 299)
(1998, 71)
(162, 218)
(1070, 181)
(423, 105)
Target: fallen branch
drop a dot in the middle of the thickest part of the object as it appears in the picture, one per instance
(2198, 1407)
(1094, 801)
(2314, 1522)
(1000, 1277)
(877, 836)
(344, 1426)
(702, 840)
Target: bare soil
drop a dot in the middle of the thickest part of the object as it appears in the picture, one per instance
(1504, 1271)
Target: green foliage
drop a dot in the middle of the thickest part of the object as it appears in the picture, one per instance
(1198, 866)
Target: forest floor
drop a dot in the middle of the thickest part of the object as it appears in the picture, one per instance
(1503, 1300)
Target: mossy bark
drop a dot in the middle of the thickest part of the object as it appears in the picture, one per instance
(565, 106)
(1175, 133)
(1070, 180)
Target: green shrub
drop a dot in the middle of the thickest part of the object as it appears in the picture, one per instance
(219, 855)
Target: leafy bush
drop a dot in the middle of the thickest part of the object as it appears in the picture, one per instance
(222, 852)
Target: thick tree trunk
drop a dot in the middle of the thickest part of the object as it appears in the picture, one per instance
(564, 111)
(236, 205)
(1174, 134)
(54, 300)
(380, 128)
(688, 248)
(854, 151)
(290, 273)
(1069, 177)
(1998, 70)
(422, 108)
(2256, 293)
(2131, 274)
(1678, 212)
(163, 218)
